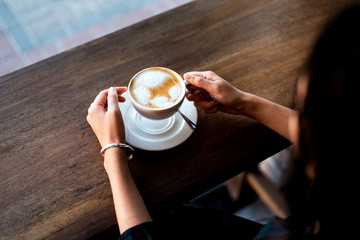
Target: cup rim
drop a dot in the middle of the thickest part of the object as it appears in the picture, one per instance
(179, 100)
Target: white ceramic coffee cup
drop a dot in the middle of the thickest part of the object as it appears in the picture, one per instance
(163, 112)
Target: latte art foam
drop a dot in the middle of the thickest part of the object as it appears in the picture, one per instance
(156, 88)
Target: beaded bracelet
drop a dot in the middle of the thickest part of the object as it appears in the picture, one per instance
(119, 145)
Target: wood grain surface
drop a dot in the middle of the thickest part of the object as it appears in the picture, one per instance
(53, 184)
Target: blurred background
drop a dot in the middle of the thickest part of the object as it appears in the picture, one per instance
(32, 30)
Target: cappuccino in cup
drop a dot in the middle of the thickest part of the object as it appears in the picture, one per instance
(156, 88)
(157, 92)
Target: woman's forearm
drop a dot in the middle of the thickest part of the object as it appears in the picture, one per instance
(129, 206)
(280, 119)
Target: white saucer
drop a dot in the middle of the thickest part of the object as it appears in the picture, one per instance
(156, 135)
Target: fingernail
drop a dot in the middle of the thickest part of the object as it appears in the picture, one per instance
(112, 89)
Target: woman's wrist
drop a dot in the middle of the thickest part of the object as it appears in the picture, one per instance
(251, 105)
(114, 158)
(243, 103)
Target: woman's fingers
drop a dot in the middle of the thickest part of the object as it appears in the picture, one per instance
(101, 98)
(113, 99)
(198, 81)
(207, 106)
(121, 90)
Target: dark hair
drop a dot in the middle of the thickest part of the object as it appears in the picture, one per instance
(330, 131)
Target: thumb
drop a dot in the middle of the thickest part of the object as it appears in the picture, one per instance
(112, 99)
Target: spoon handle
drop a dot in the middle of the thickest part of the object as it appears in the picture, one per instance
(191, 124)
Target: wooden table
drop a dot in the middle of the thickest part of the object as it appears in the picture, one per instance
(53, 184)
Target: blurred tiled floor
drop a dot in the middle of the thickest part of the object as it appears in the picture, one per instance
(32, 30)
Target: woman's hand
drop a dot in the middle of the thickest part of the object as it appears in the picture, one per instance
(211, 93)
(105, 118)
